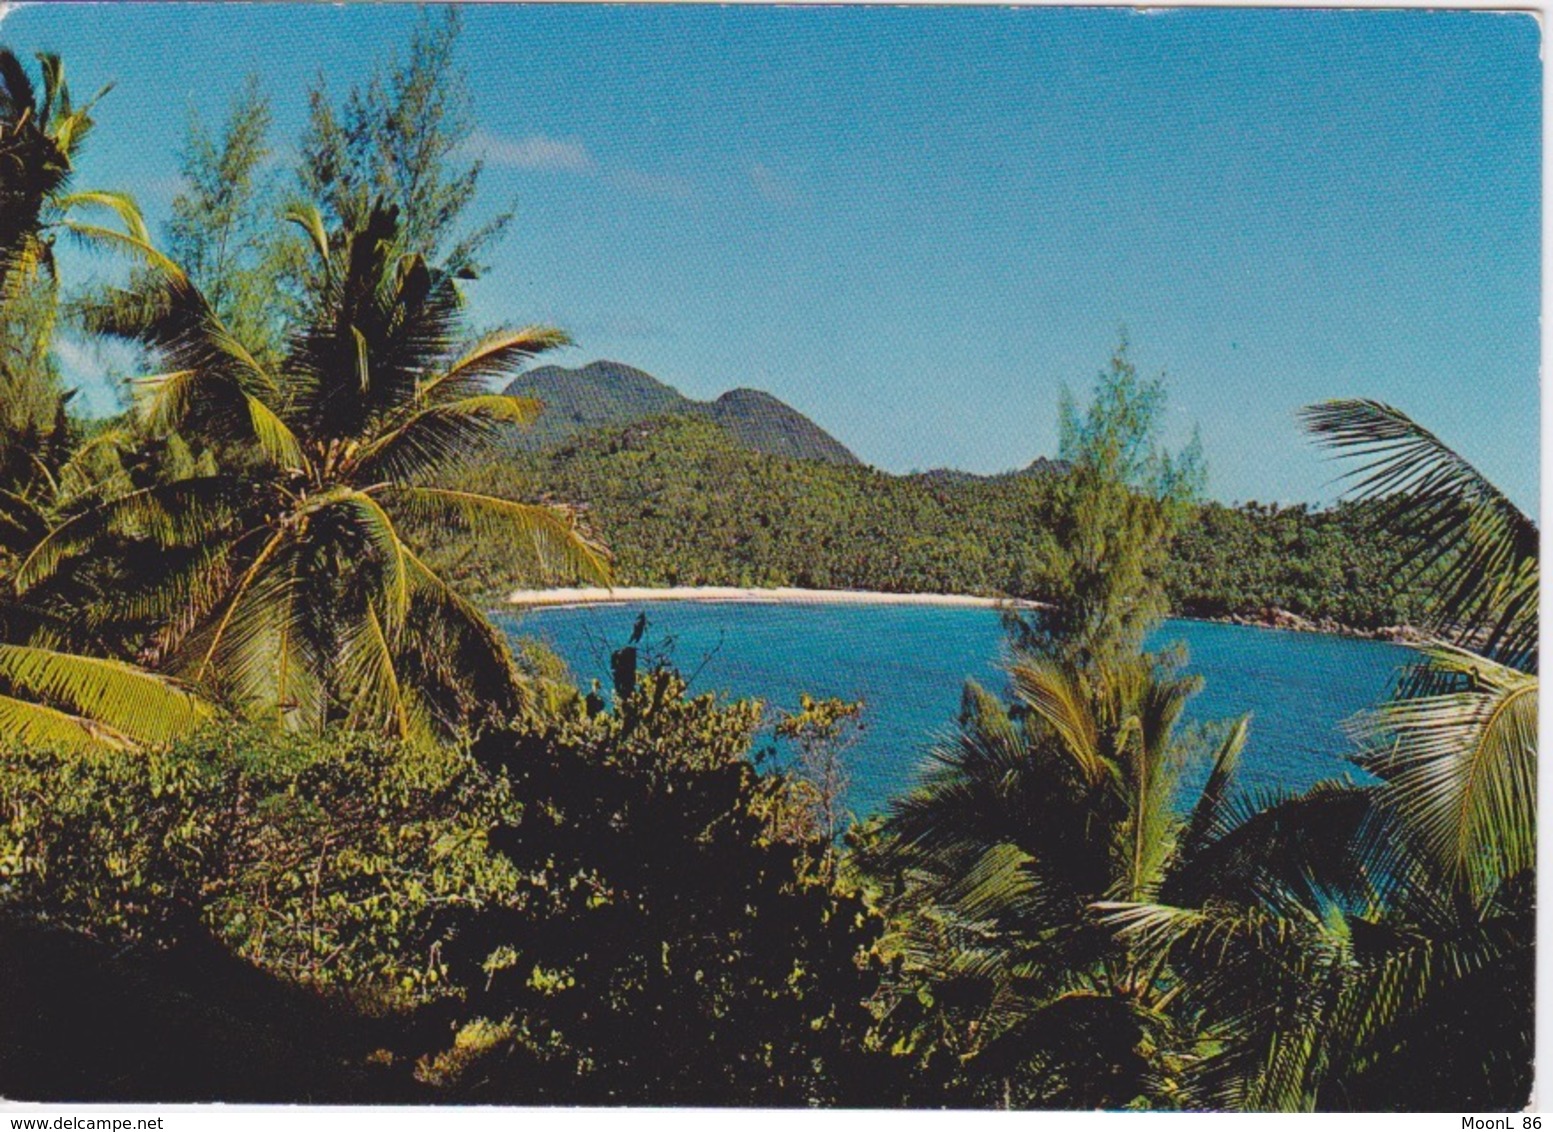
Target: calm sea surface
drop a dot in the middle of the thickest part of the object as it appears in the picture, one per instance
(908, 664)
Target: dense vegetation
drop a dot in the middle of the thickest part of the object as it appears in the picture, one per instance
(284, 818)
(679, 503)
(567, 913)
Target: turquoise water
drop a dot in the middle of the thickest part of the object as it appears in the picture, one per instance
(908, 664)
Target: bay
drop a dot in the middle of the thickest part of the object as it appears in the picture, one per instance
(909, 663)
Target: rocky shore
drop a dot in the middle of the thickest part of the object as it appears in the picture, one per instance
(1274, 618)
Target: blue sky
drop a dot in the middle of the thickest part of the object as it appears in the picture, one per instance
(916, 224)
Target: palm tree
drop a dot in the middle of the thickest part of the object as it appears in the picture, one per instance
(287, 586)
(1456, 752)
(1394, 967)
(1031, 819)
(58, 686)
(41, 136)
(1458, 743)
(1325, 963)
(1066, 800)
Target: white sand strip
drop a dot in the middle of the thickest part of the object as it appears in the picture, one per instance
(589, 595)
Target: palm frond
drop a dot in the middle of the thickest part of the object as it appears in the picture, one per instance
(558, 544)
(166, 401)
(272, 436)
(78, 477)
(174, 600)
(1057, 697)
(1156, 697)
(1207, 820)
(1270, 849)
(122, 205)
(114, 240)
(127, 701)
(389, 556)
(175, 514)
(1485, 547)
(296, 677)
(379, 701)
(1461, 766)
(131, 313)
(259, 644)
(311, 221)
(1209, 931)
(213, 386)
(427, 440)
(996, 887)
(29, 724)
(251, 579)
(20, 266)
(463, 667)
(494, 356)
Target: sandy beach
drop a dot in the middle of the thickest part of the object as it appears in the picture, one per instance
(591, 595)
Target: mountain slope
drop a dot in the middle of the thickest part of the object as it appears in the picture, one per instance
(758, 420)
(680, 502)
(597, 394)
(609, 393)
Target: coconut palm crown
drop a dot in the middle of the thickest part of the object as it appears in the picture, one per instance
(1032, 816)
(287, 586)
(41, 134)
(1458, 743)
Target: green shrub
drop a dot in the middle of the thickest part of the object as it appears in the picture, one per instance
(607, 907)
(339, 863)
(680, 941)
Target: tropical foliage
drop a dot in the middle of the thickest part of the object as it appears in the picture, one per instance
(1396, 929)
(1485, 594)
(299, 412)
(41, 132)
(294, 595)
(564, 913)
(1033, 818)
(1075, 931)
(284, 817)
(52, 689)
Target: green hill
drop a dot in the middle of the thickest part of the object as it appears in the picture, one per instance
(608, 393)
(681, 502)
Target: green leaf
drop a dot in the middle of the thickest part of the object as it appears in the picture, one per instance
(1461, 766)
(1487, 548)
(106, 694)
(557, 543)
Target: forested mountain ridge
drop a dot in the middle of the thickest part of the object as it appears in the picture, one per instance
(605, 393)
(680, 502)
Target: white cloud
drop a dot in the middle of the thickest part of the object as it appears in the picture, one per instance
(76, 359)
(666, 186)
(283, 157)
(537, 152)
(543, 153)
(772, 186)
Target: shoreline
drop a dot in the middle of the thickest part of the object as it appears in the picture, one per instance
(1281, 620)
(752, 595)
(578, 596)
